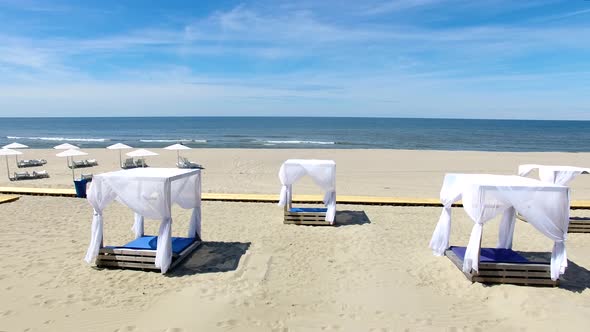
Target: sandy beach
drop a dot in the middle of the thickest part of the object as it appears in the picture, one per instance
(374, 272)
(396, 173)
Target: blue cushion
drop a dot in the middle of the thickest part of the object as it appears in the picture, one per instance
(147, 242)
(308, 209)
(493, 255)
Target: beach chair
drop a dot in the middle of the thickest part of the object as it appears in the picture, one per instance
(20, 176)
(128, 163)
(91, 162)
(87, 177)
(31, 163)
(504, 266)
(140, 162)
(40, 174)
(185, 163)
(29, 176)
(77, 164)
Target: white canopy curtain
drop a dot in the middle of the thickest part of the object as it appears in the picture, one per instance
(150, 193)
(544, 205)
(561, 175)
(323, 173)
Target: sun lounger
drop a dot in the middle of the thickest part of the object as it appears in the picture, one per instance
(128, 163)
(29, 176)
(20, 176)
(141, 163)
(87, 177)
(31, 163)
(83, 163)
(504, 266)
(141, 253)
(185, 163)
(40, 174)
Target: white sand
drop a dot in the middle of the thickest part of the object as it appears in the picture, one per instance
(377, 275)
(256, 274)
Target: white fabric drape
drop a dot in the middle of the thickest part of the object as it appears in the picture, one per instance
(544, 205)
(150, 193)
(507, 224)
(561, 175)
(322, 172)
(138, 226)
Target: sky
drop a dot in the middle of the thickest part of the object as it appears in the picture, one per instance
(500, 59)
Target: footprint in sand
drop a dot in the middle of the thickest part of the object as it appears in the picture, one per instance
(227, 323)
(130, 328)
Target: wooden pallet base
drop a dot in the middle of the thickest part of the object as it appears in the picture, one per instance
(306, 218)
(138, 259)
(507, 273)
(579, 225)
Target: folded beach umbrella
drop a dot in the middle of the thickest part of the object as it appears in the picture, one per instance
(8, 152)
(177, 147)
(119, 146)
(141, 153)
(71, 153)
(15, 145)
(65, 146)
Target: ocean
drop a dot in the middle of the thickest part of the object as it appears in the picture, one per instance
(300, 132)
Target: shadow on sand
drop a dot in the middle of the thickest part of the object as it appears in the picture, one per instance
(348, 218)
(212, 257)
(575, 279)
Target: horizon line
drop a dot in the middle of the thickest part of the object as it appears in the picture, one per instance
(281, 116)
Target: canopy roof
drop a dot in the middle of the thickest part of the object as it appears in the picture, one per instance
(150, 193)
(554, 174)
(15, 145)
(141, 153)
(71, 153)
(9, 152)
(177, 147)
(65, 146)
(544, 205)
(118, 146)
(323, 173)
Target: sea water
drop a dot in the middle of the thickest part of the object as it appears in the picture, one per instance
(301, 132)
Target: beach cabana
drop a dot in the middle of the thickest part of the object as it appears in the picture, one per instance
(323, 173)
(119, 146)
(561, 175)
(484, 197)
(150, 193)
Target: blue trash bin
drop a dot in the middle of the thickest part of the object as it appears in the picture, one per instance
(80, 187)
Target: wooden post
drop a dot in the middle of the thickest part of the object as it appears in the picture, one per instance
(7, 169)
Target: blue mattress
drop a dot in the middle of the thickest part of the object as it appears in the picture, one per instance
(148, 242)
(308, 209)
(493, 255)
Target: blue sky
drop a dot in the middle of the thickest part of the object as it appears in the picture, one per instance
(392, 58)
